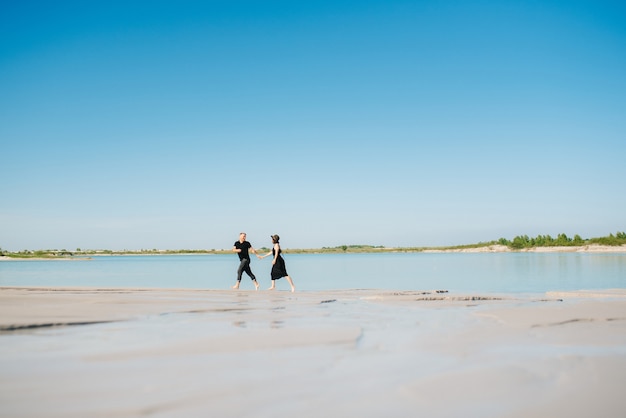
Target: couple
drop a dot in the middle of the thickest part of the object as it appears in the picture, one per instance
(278, 263)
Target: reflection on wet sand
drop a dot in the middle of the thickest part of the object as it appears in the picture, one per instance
(172, 353)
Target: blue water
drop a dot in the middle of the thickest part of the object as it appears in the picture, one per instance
(462, 272)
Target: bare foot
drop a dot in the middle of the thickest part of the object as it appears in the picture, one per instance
(236, 286)
(256, 285)
(293, 289)
(272, 288)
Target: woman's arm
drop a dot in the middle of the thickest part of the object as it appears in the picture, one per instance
(265, 255)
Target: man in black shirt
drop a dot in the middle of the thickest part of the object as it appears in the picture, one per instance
(241, 247)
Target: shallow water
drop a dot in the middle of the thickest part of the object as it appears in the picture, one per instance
(463, 272)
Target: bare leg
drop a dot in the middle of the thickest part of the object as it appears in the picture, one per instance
(273, 285)
(293, 288)
(256, 284)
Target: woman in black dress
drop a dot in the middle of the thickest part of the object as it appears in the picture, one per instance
(278, 264)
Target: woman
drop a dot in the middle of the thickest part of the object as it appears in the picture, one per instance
(278, 264)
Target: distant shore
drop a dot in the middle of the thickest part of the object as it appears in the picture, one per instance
(592, 248)
(496, 248)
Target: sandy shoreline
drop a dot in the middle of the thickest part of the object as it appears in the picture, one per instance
(594, 248)
(196, 353)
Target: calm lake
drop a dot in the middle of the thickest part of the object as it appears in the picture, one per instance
(456, 272)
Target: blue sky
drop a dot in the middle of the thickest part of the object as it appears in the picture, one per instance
(178, 124)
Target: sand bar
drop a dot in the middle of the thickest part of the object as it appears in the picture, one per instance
(496, 248)
(592, 248)
(77, 352)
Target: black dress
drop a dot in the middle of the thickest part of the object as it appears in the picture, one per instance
(278, 269)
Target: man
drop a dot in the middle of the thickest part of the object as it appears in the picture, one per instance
(242, 247)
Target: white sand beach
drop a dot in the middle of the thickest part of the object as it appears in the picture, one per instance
(593, 248)
(81, 352)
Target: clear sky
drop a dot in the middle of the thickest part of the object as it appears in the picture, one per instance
(178, 124)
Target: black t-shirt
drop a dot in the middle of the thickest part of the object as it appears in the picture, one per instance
(243, 246)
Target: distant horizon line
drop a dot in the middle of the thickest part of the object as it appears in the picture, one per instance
(519, 242)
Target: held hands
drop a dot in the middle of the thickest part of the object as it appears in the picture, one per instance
(260, 257)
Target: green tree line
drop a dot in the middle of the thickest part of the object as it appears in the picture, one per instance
(562, 240)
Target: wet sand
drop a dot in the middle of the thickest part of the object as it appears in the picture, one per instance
(83, 352)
